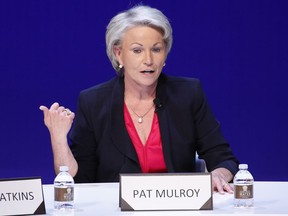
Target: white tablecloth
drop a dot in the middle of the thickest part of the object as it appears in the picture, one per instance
(270, 198)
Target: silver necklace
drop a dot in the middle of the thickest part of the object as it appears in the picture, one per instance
(140, 117)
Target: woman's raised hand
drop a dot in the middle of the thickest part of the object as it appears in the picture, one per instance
(58, 120)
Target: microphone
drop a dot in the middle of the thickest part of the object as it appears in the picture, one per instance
(158, 104)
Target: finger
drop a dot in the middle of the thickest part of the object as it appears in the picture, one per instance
(228, 188)
(220, 187)
(61, 110)
(44, 109)
(54, 106)
(71, 116)
(68, 111)
(217, 184)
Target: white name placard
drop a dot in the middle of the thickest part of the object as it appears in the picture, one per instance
(21, 196)
(166, 191)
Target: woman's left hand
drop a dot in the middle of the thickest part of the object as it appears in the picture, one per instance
(220, 179)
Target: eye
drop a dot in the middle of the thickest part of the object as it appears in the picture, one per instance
(137, 50)
(156, 49)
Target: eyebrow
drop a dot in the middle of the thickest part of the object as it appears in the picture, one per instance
(142, 44)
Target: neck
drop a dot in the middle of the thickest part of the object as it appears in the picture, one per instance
(140, 94)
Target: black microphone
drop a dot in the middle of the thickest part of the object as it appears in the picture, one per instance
(158, 104)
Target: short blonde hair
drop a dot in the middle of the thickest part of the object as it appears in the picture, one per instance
(138, 15)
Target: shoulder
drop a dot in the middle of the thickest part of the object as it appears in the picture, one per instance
(100, 90)
(100, 93)
(102, 87)
(180, 83)
(181, 90)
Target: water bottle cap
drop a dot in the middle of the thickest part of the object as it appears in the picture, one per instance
(64, 168)
(243, 166)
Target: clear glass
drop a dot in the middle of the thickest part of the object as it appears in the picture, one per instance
(64, 190)
(243, 187)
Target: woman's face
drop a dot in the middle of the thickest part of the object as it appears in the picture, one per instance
(143, 54)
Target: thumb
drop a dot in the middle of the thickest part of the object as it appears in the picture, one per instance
(44, 109)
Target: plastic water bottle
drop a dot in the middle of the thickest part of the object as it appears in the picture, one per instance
(243, 187)
(64, 189)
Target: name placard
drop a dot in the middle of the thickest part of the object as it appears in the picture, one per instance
(166, 191)
(21, 196)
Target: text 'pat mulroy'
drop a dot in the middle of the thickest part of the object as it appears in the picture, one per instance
(166, 193)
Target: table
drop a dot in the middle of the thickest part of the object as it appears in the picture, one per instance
(99, 199)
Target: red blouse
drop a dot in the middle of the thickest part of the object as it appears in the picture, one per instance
(150, 156)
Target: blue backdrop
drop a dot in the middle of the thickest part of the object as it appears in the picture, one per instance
(49, 51)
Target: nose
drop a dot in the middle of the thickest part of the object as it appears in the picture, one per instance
(148, 59)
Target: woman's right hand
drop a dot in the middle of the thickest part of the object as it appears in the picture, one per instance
(58, 120)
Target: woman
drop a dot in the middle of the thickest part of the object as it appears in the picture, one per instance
(142, 120)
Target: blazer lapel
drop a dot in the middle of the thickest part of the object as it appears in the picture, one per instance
(161, 96)
(119, 133)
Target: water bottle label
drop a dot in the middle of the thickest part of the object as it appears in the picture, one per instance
(243, 191)
(64, 194)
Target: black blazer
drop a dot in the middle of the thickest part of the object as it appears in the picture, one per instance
(103, 148)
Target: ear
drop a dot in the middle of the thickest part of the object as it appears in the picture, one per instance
(117, 53)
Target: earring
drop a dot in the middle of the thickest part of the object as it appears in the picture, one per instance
(164, 64)
(120, 66)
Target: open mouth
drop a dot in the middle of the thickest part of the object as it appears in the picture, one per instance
(148, 71)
